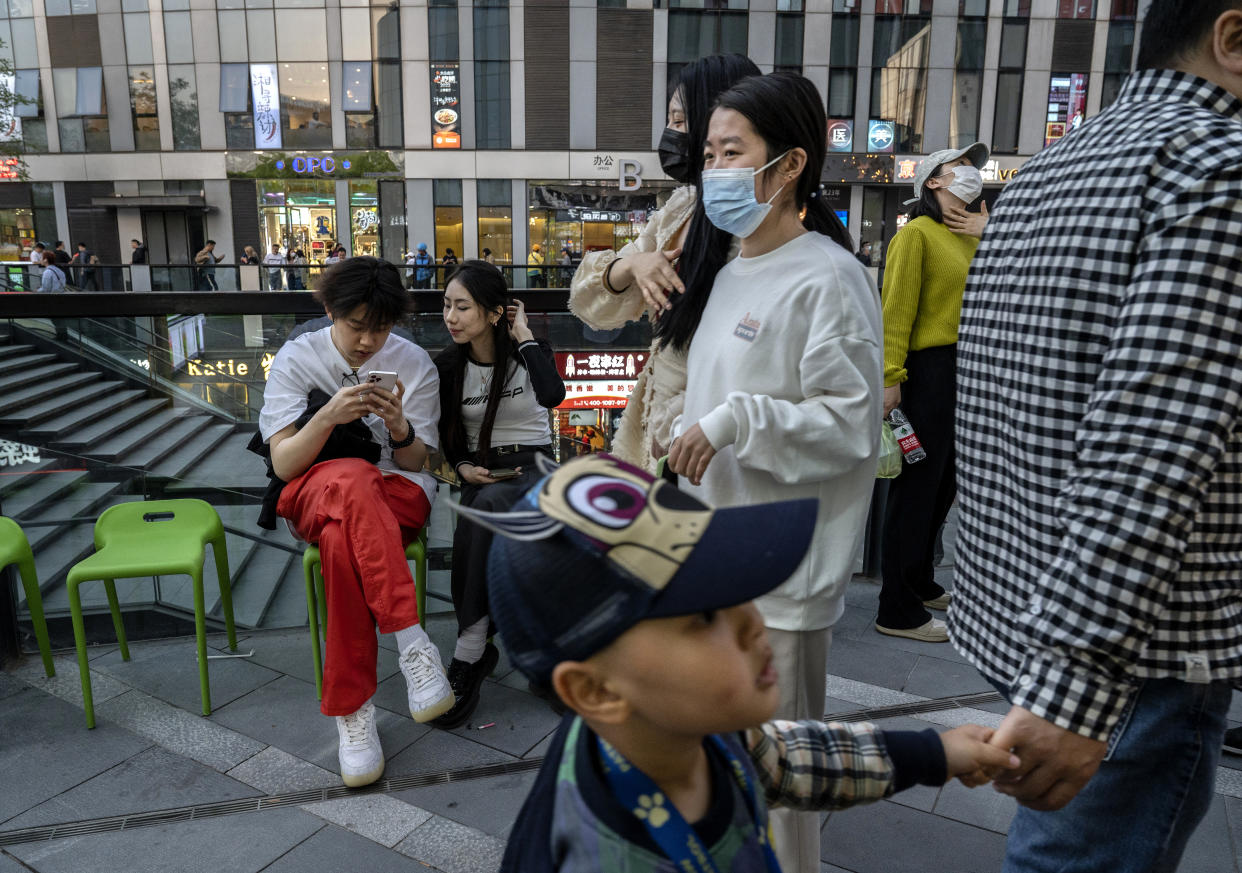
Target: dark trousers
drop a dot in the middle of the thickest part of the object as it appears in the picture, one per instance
(471, 542)
(919, 499)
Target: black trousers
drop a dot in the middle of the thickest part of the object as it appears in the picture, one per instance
(468, 579)
(919, 499)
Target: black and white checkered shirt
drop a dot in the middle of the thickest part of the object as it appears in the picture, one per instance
(1099, 392)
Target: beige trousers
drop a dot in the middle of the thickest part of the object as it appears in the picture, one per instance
(801, 658)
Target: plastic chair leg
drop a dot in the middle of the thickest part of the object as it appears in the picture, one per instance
(420, 587)
(34, 602)
(312, 618)
(200, 633)
(220, 551)
(322, 598)
(79, 640)
(118, 625)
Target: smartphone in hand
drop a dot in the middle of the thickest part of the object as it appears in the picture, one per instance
(383, 379)
(504, 473)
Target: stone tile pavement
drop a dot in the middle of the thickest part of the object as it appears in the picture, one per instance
(266, 740)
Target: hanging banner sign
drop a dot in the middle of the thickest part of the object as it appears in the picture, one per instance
(445, 107)
(265, 89)
(596, 365)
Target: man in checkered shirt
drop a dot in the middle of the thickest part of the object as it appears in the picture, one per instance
(1099, 561)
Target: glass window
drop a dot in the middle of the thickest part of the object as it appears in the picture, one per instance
(261, 34)
(235, 88)
(138, 38)
(442, 30)
(1017, 8)
(789, 42)
(6, 43)
(57, 7)
(967, 83)
(899, 76)
(178, 37)
(1008, 112)
(89, 98)
(232, 36)
(392, 216)
(82, 7)
(694, 34)
(183, 91)
(145, 111)
(842, 87)
(1120, 46)
(356, 87)
(133, 5)
(496, 232)
(356, 33)
(390, 129)
(26, 90)
(386, 33)
(239, 130)
(491, 104)
(446, 195)
(176, 5)
(1013, 44)
(65, 87)
(364, 217)
(1124, 9)
(494, 192)
(360, 130)
(1076, 9)
(972, 8)
(23, 8)
(25, 47)
(491, 30)
(305, 111)
(844, 41)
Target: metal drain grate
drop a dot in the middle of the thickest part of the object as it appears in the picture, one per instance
(399, 783)
(938, 704)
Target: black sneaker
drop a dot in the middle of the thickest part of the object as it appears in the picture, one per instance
(466, 680)
(1233, 741)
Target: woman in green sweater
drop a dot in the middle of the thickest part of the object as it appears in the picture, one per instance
(924, 279)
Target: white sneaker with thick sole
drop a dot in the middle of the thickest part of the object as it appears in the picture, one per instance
(362, 759)
(428, 688)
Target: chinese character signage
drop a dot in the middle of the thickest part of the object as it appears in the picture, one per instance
(600, 365)
(840, 136)
(445, 107)
(266, 93)
(597, 394)
(907, 168)
(880, 135)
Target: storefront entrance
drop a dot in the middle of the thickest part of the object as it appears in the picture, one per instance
(588, 217)
(298, 214)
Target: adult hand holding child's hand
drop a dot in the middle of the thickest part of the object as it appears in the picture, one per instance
(970, 758)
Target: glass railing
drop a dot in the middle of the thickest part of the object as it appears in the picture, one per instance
(113, 278)
(96, 410)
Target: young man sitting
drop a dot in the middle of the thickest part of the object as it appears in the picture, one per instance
(361, 512)
(632, 600)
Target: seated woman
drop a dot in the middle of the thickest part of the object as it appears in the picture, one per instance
(361, 512)
(497, 383)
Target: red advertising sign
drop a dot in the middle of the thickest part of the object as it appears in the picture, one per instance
(600, 365)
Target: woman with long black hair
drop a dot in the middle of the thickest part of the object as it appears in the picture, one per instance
(678, 251)
(784, 373)
(497, 383)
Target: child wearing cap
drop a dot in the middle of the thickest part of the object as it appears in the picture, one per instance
(632, 600)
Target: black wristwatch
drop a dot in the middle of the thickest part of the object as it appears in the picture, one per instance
(409, 438)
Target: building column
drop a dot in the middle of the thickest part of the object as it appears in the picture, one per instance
(582, 27)
(469, 219)
(420, 214)
(521, 228)
(62, 214)
(344, 227)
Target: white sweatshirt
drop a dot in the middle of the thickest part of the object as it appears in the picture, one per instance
(785, 376)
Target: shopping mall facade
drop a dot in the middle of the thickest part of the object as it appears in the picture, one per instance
(494, 125)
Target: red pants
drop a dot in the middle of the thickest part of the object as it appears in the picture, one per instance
(362, 521)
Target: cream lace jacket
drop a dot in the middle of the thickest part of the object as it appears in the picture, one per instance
(659, 393)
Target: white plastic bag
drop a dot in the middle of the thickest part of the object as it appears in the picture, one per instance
(889, 465)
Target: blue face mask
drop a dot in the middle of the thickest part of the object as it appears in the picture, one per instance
(729, 199)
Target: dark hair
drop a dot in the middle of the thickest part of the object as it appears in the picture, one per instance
(364, 281)
(132, 240)
(928, 204)
(82, 244)
(486, 286)
(1174, 29)
(210, 242)
(787, 112)
(706, 247)
(60, 242)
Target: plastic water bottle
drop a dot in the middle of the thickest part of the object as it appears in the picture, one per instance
(911, 449)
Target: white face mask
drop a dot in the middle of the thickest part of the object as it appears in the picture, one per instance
(729, 199)
(967, 184)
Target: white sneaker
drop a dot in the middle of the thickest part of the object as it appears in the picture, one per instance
(429, 692)
(362, 759)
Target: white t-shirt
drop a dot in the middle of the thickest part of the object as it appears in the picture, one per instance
(312, 361)
(520, 420)
(272, 259)
(785, 376)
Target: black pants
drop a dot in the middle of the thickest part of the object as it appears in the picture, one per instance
(919, 499)
(472, 542)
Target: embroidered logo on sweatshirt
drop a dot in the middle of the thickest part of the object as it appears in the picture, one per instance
(747, 328)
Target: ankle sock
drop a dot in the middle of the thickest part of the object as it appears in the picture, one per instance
(471, 642)
(412, 635)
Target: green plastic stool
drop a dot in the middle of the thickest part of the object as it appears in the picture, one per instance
(15, 549)
(317, 604)
(152, 538)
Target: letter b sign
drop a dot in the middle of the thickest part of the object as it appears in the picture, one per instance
(629, 174)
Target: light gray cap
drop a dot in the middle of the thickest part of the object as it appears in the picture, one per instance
(978, 154)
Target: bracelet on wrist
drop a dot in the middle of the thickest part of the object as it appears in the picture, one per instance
(408, 441)
(608, 278)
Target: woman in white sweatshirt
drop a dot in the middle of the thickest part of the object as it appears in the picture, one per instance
(784, 377)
